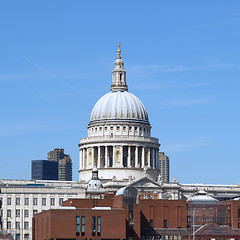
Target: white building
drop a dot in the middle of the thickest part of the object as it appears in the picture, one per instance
(22, 199)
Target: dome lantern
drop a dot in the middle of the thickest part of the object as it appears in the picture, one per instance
(119, 74)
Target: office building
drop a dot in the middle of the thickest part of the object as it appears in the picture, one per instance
(44, 170)
(163, 165)
(64, 164)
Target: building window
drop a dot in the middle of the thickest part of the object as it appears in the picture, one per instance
(93, 226)
(144, 196)
(151, 223)
(238, 212)
(60, 201)
(8, 225)
(35, 202)
(118, 128)
(17, 201)
(151, 196)
(26, 213)
(34, 212)
(83, 226)
(26, 225)
(26, 236)
(99, 226)
(9, 213)
(77, 226)
(26, 201)
(165, 223)
(124, 128)
(44, 201)
(111, 128)
(9, 202)
(17, 212)
(17, 225)
(52, 201)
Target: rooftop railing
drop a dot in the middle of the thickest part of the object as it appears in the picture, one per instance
(118, 138)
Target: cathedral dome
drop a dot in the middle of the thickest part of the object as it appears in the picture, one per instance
(119, 105)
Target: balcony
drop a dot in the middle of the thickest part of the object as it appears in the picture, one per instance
(116, 138)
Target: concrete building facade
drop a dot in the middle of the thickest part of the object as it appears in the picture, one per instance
(22, 199)
(163, 165)
(64, 164)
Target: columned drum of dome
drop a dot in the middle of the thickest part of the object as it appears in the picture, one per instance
(119, 138)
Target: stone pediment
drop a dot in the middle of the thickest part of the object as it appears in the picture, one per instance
(145, 182)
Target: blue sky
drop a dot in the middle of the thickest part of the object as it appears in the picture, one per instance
(182, 61)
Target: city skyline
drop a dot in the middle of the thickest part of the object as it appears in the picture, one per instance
(182, 62)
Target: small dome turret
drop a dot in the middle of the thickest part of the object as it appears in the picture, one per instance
(95, 186)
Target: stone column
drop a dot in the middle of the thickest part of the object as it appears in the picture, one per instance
(129, 157)
(106, 157)
(136, 157)
(114, 158)
(154, 158)
(99, 158)
(83, 158)
(143, 157)
(157, 159)
(87, 158)
(149, 155)
(93, 152)
(80, 159)
(121, 156)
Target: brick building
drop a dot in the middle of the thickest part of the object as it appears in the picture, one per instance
(123, 216)
(127, 216)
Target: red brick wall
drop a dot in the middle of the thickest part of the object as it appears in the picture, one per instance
(174, 211)
(58, 223)
(88, 203)
(234, 214)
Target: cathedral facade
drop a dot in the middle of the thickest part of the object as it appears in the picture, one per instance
(119, 141)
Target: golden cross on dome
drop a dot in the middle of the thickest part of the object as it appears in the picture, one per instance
(119, 51)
